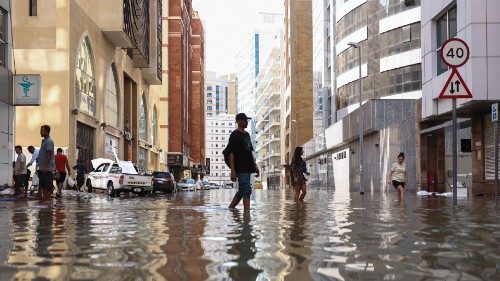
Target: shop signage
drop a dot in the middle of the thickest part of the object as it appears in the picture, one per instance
(111, 144)
(174, 159)
(27, 89)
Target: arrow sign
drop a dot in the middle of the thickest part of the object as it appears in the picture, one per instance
(455, 87)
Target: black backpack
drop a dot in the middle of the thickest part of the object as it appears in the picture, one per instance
(226, 152)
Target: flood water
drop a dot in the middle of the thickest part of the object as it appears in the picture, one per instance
(193, 236)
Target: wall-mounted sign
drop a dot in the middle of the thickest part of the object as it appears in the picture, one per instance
(174, 159)
(111, 144)
(27, 89)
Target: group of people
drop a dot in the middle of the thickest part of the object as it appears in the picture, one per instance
(242, 165)
(49, 167)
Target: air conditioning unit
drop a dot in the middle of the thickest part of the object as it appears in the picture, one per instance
(409, 3)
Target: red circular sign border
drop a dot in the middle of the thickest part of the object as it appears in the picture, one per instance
(448, 41)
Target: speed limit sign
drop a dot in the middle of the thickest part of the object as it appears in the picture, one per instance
(455, 52)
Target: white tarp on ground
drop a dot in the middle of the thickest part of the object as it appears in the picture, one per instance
(461, 192)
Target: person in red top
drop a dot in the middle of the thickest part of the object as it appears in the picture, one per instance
(62, 166)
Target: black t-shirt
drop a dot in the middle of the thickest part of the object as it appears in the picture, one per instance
(241, 146)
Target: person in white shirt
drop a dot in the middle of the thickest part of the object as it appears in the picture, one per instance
(34, 155)
(20, 171)
(398, 176)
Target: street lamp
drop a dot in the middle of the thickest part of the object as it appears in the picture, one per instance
(360, 124)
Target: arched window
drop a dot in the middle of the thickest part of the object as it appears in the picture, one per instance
(143, 123)
(85, 88)
(154, 127)
(112, 99)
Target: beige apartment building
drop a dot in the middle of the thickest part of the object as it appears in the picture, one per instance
(102, 80)
(297, 80)
(269, 121)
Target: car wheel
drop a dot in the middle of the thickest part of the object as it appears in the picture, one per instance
(89, 186)
(111, 189)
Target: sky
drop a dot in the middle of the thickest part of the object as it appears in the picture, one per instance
(227, 24)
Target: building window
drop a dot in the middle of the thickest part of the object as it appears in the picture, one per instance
(3, 37)
(142, 161)
(446, 28)
(33, 8)
(154, 127)
(143, 130)
(85, 88)
(112, 101)
(209, 88)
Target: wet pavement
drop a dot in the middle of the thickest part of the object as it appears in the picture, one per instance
(192, 236)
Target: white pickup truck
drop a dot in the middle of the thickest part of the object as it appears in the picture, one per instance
(118, 176)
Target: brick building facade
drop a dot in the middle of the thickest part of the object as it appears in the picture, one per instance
(185, 71)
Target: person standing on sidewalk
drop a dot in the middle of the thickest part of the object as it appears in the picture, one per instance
(20, 171)
(398, 176)
(298, 168)
(46, 164)
(62, 166)
(241, 161)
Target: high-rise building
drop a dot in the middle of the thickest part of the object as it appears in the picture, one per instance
(217, 93)
(97, 70)
(388, 34)
(233, 90)
(218, 129)
(297, 80)
(186, 90)
(268, 120)
(7, 110)
(254, 52)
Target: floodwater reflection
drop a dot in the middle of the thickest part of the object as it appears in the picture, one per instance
(193, 236)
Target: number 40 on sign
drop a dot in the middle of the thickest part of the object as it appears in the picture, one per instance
(455, 53)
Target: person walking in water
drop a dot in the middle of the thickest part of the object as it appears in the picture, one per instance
(398, 176)
(46, 164)
(241, 161)
(80, 174)
(298, 168)
(62, 165)
(20, 171)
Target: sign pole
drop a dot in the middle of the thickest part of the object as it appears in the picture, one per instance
(495, 120)
(455, 152)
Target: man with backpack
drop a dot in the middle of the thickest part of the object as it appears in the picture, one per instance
(238, 156)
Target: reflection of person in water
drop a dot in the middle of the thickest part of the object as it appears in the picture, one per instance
(297, 213)
(244, 248)
(44, 232)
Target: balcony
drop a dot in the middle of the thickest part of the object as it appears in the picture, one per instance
(129, 29)
(153, 74)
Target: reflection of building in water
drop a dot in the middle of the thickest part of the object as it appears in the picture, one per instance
(270, 256)
(183, 249)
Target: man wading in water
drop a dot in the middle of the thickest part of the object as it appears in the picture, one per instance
(241, 162)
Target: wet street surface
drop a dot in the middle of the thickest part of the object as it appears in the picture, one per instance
(193, 236)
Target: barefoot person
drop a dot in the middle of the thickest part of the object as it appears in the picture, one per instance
(398, 176)
(46, 164)
(297, 169)
(20, 171)
(62, 166)
(241, 161)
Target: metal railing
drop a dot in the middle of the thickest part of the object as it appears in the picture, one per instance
(159, 44)
(136, 25)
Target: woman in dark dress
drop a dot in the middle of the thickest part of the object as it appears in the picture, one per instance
(297, 169)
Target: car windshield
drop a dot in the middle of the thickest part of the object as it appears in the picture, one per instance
(190, 181)
(162, 175)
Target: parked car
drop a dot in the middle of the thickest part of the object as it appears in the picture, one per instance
(116, 177)
(206, 185)
(229, 185)
(186, 185)
(200, 185)
(213, 185)
(163, 181)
